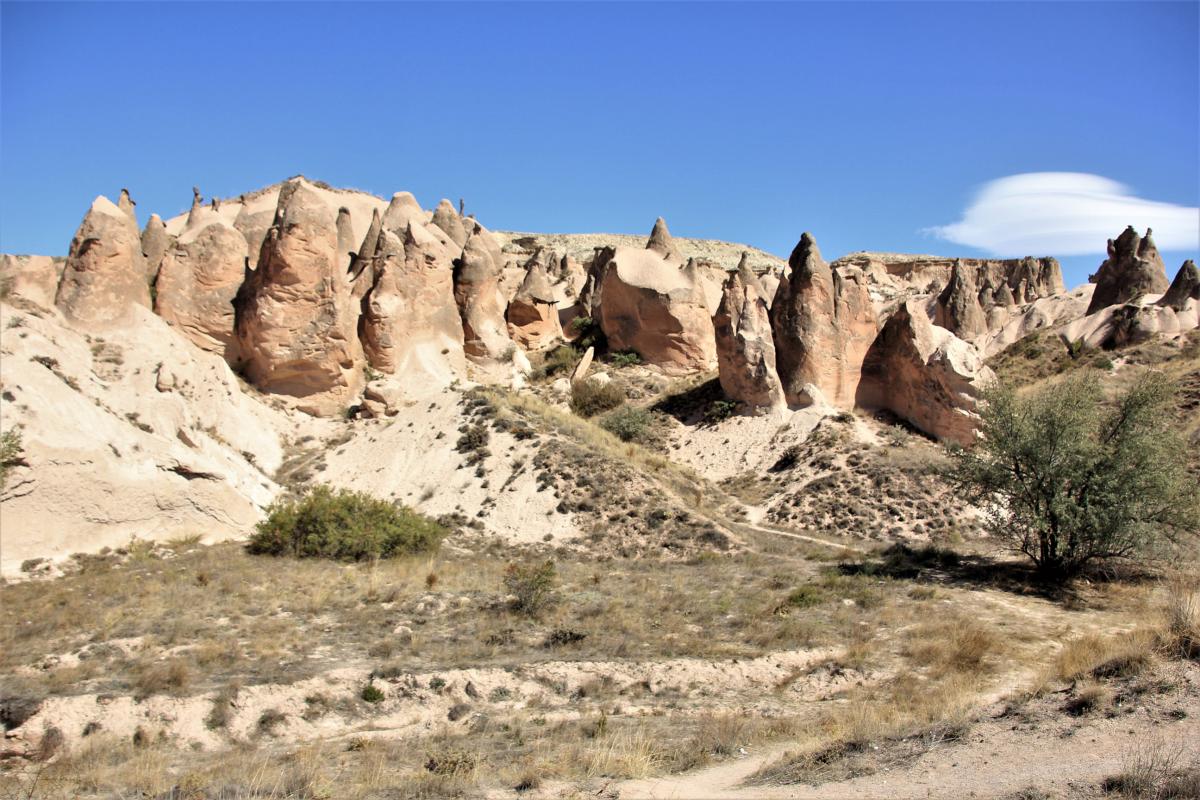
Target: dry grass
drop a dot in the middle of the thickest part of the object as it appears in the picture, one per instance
(956, 644)
(1181, 629)
(205, 617)
(517, 751)
(930, 700)
(1096, 656)
(1157, 770)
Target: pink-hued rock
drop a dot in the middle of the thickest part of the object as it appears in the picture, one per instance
(410, 324)
(958, 309)
(155, 244)
(197, 281)
(297, 324)
(1133, 268)
(1184, 289)
(998, 282)
(446, 218)
(532, 313)
(477, 292)
(924, 374)
(1176, 312)
(823, 324)
(661, 242)
(105, 272)
(745, 347)
(31, 278)
(345, 237)
(647, 304)
(126, 204)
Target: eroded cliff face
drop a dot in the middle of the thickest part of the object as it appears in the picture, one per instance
(297, 325)
(999, 283)
(745, 346)
(198, 277)
(925, 375)
(822, 322)
(650, 305)
(410, 323)
(303, 286)
(1133, 269)
(105, 272)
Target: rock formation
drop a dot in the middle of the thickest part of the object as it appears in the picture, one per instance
(661, 241)
(105, 271)
(1000, 282)
(33, 279)
(532, 313)
(365, 254)
(126, 204)
(296, 321)
(446, 218)
(745, 348)
(155, 243)
(1185, 287)
(345, 237)
(924, 374)
(1133, 268)
(823, 323)
(958, 308)
(647, 304)
(197, 282)
(477, 292)
(402, 209)
(410, 322)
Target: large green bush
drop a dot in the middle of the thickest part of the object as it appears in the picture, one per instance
(1069, 480)
(343, 525)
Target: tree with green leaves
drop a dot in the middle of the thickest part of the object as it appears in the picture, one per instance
(1070, 479)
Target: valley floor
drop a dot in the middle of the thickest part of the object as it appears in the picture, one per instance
(807, 671)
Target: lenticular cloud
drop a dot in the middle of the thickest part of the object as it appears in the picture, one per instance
(1065, 213)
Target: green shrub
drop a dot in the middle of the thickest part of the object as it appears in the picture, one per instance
(589, 397)
(719, 410)
(343, 525)
(627, 358)
(371, 694)
(1070, 479)
(630, 424)
(561, 359)
(806, 596)
(587, 333)
(531, 585)
(10, 452)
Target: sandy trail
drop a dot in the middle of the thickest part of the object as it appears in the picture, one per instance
(995, 760)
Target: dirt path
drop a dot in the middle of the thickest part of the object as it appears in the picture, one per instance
(997, 759)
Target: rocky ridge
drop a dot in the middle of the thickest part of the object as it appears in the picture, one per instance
(303, 298)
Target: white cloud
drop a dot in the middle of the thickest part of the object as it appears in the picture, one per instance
(1065, 214)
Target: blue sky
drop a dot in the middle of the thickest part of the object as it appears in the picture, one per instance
(867, 124)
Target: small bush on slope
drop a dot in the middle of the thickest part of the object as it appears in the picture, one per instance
(531, 585)
(590, 397)
(10, 452)
(630, 424)
(343, 525)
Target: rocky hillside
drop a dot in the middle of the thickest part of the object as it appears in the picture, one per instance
(693, 508)
(173, 381)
